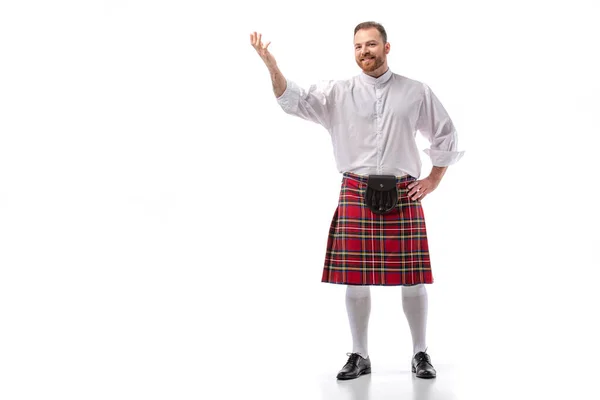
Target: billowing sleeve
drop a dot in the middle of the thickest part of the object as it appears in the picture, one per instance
(435, 125)
(312, 104)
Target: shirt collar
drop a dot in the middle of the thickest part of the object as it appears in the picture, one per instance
(376, 81)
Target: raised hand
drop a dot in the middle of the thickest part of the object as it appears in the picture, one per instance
(262, 50)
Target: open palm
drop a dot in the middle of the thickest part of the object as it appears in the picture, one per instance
(262, 49)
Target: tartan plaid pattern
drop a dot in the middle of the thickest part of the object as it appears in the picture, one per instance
(364, 248)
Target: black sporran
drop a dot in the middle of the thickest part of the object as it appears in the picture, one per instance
(381, 195)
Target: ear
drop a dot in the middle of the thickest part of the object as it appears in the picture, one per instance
(387, 47)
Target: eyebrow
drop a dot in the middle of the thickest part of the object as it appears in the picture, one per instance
(368, 41)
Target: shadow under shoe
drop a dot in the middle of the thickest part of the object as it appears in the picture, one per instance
(421, 365)
(355, 367)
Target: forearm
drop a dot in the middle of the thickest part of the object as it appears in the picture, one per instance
(278, 80)
(437, 173)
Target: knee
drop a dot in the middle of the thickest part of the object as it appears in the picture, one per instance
(357, 292)
(414, 291)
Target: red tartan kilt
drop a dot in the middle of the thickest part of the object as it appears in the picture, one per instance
(364, 248)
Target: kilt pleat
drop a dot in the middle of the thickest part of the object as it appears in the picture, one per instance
(364, 248)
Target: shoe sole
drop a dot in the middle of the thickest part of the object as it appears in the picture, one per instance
(365, 372)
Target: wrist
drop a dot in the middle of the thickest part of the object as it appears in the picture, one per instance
(437, 173)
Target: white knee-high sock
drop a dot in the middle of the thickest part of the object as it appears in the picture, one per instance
(358, 306)
(414, 304)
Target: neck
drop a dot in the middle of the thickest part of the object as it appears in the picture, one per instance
(378, 72)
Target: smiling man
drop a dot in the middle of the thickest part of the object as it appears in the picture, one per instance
(371, 52)
(378, 235)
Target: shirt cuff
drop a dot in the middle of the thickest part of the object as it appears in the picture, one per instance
(290, 96)
(442, 158)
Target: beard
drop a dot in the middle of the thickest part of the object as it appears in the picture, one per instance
(370, 65)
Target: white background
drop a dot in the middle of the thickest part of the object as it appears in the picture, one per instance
(163, 222)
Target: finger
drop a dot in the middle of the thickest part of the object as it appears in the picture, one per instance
(415, 195)
(267, 45)
(260, 40)
(421, 195)
(413, 185)
(416, 189)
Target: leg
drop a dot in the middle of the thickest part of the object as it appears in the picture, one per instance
(415, 304)
(358, 307)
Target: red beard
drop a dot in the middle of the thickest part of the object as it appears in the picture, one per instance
(370, 65)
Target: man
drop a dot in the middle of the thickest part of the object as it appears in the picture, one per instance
(378, 234)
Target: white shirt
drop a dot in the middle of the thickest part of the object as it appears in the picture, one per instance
(373, 122)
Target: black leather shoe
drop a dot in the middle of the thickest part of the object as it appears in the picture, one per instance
(355, 367)
(421, 364)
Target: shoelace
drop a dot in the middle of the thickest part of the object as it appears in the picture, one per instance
(352, 359)
(422, 356)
